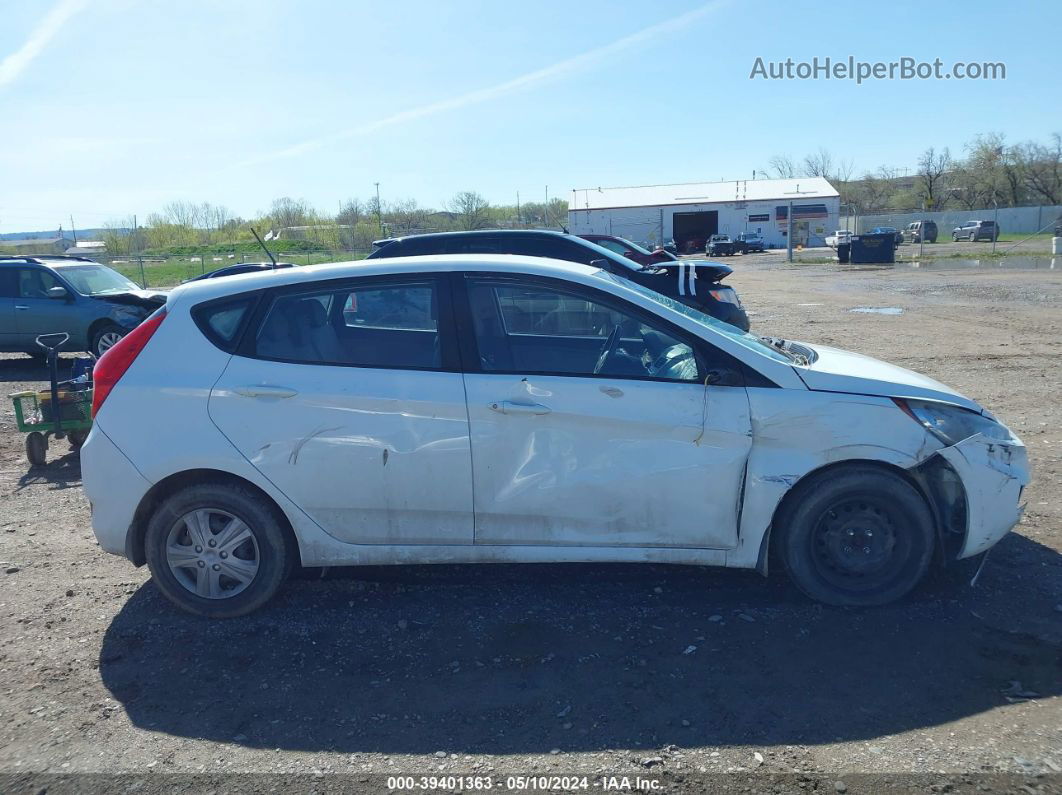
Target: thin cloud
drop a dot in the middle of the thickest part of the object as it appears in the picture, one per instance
(14, 64)
(481, 95)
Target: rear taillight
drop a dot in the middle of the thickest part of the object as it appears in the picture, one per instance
(113, 364)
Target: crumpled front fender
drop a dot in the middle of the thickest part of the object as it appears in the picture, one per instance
(993, 474)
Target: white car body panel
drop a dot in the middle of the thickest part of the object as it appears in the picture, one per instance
(994, 474)
(837, 370)
(373, 456)
(581, 473)
(837, 409)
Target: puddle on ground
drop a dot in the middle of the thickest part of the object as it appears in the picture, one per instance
(877, 310)
(1022, 262)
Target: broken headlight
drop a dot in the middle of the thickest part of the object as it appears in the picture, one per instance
(952, 424)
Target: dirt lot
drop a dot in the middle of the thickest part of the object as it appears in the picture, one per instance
(652, 671)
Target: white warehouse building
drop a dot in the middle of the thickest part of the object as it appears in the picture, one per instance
(691, 212)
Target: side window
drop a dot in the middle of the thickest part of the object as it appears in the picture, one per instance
(551, 248)
(35, 283)
(474, 244)
(8, 282)
(378, 325)
(611, 245)
(220, 321)
(531, 328)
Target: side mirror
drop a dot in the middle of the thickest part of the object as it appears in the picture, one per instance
(57, 292)
(603, 264)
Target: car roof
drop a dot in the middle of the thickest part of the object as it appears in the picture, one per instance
(205, 289)
(51, 260)
(474, 233)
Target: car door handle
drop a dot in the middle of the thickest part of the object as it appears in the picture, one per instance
(21, 306)
(508, 407)
(263, 390)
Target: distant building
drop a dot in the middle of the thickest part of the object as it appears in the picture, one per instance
(35, 245)
(88, 248)
(691, 213)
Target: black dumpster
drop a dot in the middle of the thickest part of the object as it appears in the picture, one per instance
(843, 250)
(868, 249)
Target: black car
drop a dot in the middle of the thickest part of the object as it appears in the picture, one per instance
(693, 282)
(897, 235)
(236, 270)
(976, 230)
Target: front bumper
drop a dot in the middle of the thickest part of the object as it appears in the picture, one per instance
(993, 475)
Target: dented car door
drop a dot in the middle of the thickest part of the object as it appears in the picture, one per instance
(348, 398)
(592, 424)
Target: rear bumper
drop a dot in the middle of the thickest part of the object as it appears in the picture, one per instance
(114, 488)
(993, 476)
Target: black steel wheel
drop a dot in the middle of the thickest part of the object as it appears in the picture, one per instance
(858, 536)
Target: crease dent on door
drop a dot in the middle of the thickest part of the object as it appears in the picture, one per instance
(372, 456)
(600, 470)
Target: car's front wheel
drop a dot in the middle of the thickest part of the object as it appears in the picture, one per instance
(106, 337)
(855, 536)
(217, 550)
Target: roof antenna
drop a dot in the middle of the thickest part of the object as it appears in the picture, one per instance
(263, 245)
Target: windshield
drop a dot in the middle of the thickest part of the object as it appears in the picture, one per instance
(96, 280)
(635, 247)
(749, 341)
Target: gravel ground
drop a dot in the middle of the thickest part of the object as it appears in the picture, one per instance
(671, 672)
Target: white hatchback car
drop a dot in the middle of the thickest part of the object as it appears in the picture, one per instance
(493, 408)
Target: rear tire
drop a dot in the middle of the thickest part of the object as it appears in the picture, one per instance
(194, 561)
(856, 536)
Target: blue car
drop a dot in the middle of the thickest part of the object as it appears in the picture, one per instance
(94, 304)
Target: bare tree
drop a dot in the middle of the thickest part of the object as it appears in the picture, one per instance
(407, 216)
(782, 166)
(470, 210)
(933, 166)
(350, 212)
(286, 211)
(819, 164)
(1043, 169)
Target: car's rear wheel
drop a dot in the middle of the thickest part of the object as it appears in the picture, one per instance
(106, 337)
(217, 550)
(856, 536)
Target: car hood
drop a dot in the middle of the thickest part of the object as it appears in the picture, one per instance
(145, 299)
(836, 370)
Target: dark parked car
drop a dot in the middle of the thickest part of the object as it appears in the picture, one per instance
(720, 246)
(750, 241)
(897, 235)
(94, 304)
(236, 270)
(693, 282)
(920, 231)
(631, 251)
(976, 230)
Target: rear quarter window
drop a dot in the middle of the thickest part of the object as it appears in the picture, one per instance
(222, 321)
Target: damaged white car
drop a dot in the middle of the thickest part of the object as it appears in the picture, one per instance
(470, 408)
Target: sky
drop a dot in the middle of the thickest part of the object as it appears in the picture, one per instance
(112, 108)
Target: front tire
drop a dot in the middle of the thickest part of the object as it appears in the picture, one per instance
(856, 536)
(105, 338)
(217, 550)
